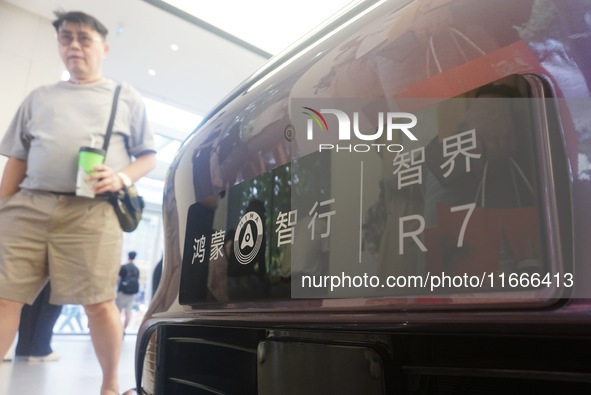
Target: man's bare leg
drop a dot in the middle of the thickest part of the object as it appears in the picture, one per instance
(104, 323)
(10, 311)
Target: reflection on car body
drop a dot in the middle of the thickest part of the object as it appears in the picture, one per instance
(314, 246)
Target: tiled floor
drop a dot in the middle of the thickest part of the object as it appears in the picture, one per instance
(77, 372)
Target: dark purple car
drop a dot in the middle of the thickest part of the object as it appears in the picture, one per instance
(398, 204)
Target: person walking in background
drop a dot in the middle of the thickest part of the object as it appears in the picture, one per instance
(49, 232)
(35, 330)
(129, 286)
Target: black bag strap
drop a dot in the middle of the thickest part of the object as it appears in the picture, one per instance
(111, 119)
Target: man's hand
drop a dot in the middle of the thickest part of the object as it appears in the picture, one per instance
(108, 180)
(14, 173)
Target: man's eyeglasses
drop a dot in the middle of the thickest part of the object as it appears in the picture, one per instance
(84, 40)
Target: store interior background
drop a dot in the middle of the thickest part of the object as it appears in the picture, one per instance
(183, 56)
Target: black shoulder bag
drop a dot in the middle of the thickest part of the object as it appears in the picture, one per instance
(127, 203)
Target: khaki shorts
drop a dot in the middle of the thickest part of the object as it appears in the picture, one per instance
(74, 241)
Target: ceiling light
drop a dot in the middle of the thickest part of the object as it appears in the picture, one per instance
(65, 75)
(174, 47)
(152, 72)
(254, 26)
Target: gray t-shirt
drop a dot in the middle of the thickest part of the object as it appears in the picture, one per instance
(54, 121)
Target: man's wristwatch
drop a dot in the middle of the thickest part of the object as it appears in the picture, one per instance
(125, 179)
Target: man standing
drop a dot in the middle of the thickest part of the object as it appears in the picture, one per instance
(47, 231)
(129, 286)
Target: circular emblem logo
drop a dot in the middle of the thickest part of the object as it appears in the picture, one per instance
(248, 237)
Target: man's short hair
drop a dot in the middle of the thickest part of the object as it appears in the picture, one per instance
(80, 18)
(131, 255)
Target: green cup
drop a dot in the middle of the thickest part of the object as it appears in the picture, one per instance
(88, 158)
